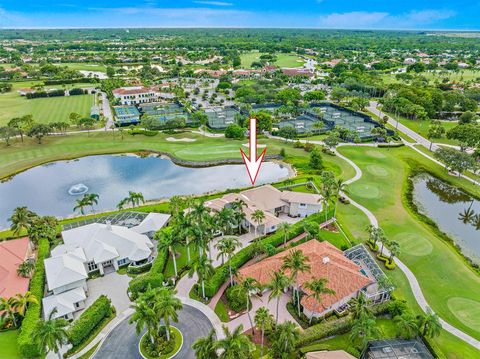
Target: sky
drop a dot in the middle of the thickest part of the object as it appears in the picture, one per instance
(336, 14)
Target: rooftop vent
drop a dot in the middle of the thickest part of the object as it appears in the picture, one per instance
(326, 260)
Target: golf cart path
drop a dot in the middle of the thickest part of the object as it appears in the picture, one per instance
(412, 280)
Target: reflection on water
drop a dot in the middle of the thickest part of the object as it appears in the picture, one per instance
(454, 211)
(45, 189)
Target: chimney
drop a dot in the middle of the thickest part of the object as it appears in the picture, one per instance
(109, 225)
(326, 260)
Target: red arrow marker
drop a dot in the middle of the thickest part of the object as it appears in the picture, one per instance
(253, 163)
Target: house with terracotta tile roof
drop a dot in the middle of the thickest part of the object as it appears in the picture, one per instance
(12, 254)
(272, 202)
(345, 277)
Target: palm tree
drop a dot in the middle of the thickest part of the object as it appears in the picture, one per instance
(284, 227)
(430, 324)
(81, 203)
(318, 287)
(91, 199)
(361, 306)
(297, 263)
(225, 220)
(467, 215)
(144, 317)
(167, 306)
(235, 345)
(394, 248)
(384, 240)
(277, 285)
(167, 242)
(375, 233)
(285, 339)
(258, 216)
(250, 286)
(20, 302)
(201, 222)
(204, 269)
(21, 220)
(263, 321)
(328, 195)
(226, 247)
(51, 334)
(239, 214)
(8, 310)
(26, 268)
(364, 329)
(135, 198)
(407, 325)
(206, 348)
(122, 203)
(339, 186)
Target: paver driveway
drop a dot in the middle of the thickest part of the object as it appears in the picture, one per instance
(122, 342)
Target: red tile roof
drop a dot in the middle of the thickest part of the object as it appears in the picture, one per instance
(342, 274)
(12, 254)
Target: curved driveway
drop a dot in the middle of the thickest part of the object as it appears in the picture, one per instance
(122, 342)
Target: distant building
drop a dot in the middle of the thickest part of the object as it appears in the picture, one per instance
(298, 72)
(409, 61)
(95, 113)
(329, 354)
(25, 91)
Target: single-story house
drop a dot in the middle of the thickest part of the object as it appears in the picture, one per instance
(272, 202)
(65, 304)
(343, 276)
(12, 254)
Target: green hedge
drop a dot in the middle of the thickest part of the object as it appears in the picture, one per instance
(154, 277)
(89, 319)
(27, 347)
(244, 255)
(139, 269)
(237, 298)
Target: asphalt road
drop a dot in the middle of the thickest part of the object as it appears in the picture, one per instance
(122, 342)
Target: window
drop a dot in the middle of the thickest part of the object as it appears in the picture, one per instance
(123, 261)
(302, 205)
(92, 266)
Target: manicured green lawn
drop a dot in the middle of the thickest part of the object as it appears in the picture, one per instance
(442, 273)
(182, 259)
(45, 110)
(84, 66)
(8, 345)
(283, 60)
(221, 311)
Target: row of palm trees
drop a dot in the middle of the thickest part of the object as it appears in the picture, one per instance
(236, 345)
(377, 235)
(134, 199)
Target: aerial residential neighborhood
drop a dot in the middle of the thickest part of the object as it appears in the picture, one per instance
(239, 180)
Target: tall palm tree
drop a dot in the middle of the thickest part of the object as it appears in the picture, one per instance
(394, 248)
(339, 186)
(258, 216)
(81, 203)
(21, 220)
(204, 269)
(285, 339)
(51, 334)
(363, 330)
(239, 214)
(235, 345)
(430, 324)
(206, 347)
(176, 204)
(263, 321)
(296, 262)
(167, 306)
(201, 222)
(384, 241)
(226, 247)
(407, 325)
(361, 306)
(25, 269)
(167, 241)
(225, 220)
(277, 285)
(144, 317)
(284, 227)
(251, 286)
(123, 202)
(318, 287)
(135, 198)
(92, 200)
(20, 302)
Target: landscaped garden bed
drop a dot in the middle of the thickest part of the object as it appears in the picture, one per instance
(164, 349)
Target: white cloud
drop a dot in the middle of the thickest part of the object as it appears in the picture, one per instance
(383, 20)
(214, 3)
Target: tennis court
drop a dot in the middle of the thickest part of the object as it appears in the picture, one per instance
(220, 118)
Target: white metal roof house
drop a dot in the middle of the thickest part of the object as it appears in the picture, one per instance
(64, 304)
(152, 223)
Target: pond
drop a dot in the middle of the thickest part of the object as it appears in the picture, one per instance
(455, 212)
(53, 189)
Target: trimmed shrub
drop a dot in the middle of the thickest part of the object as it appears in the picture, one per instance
(237, 298)
(139, 269)
(76, 91)
(89, 319)
(27, 347)
(141, 283)
(390, 145)
(389, 265)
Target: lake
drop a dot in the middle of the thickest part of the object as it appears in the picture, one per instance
(50, 189)
(455, 212)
